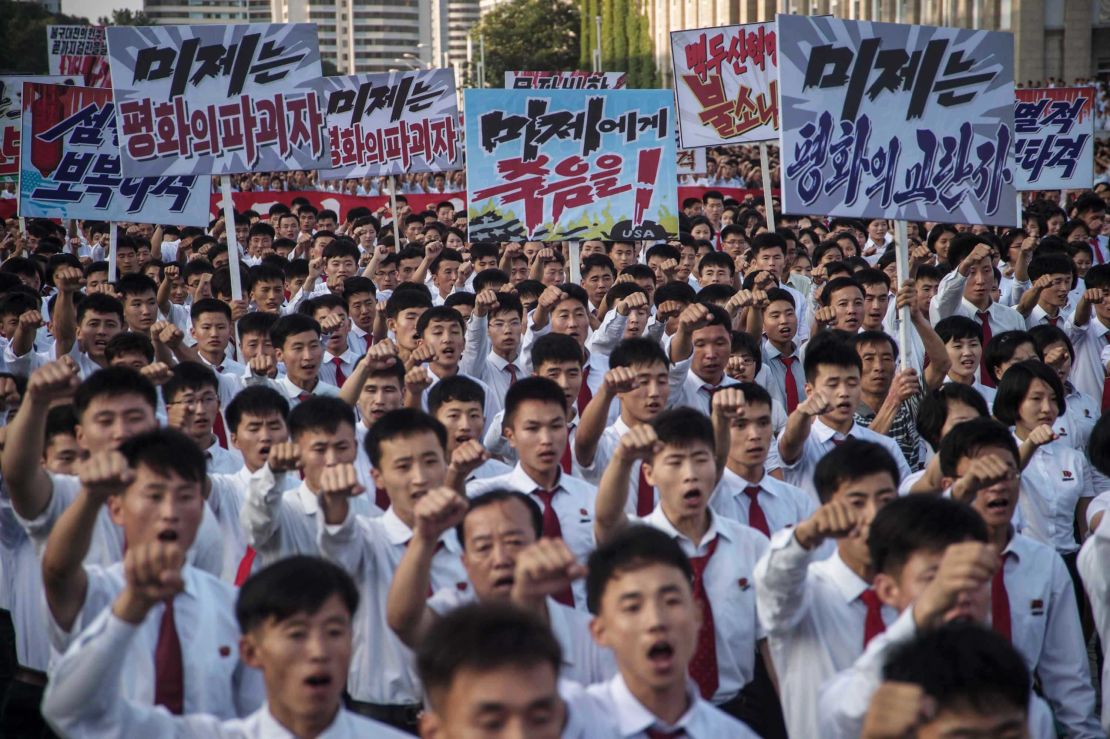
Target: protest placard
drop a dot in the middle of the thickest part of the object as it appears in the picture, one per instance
(11, 96)
(1054, 141)
(391, 123)
(885, 120)
(80, 51)
(217, 99)
(564, 80)
(570, 164)
(726, 84)
(69, 165)
(691, 162)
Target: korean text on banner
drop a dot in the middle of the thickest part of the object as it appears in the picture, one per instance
(570, 164)
(1054, 140)
(885, 120)
(392, 123)
(81, 51)
(692, 162)
(11, 106)
(565, 80)
(217, 99)
(69, 165)
(726, 84)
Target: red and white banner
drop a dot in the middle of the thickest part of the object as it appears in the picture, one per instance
(261, 201)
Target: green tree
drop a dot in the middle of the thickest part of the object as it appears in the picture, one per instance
(619, 34)
(529, 35)
(23, 36)
(607, 52)
(125, 17)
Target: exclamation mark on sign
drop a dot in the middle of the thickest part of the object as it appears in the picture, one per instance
(46, 112)
(646, 174)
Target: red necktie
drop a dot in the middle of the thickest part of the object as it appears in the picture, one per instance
(873, 625)
(219, 430)
(302, 397)
(756, 519)
(1000, 603)
(567, 461)
(791, 383)
(645, 495)
(340, 378)
(838, 442)
(985, 321)
(1052, 321)
(584, 394)
(511, 369)
(245, 566)
(169, 674)
(661, 734)
(1106, 382)
(553, 530)
(381, 498)
(1096, 250)
(703, 665)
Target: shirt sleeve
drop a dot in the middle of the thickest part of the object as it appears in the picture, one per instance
(476, 348)
(83, 697)
(262, 508)
(950, 292)
(780, 579)
(341, 543)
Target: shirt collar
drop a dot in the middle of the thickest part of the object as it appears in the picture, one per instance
(659, 520)
(350, 356)
(500, 362)
(633, 718)
(824, 432)
(521, 480)
(308, 499)
(766, 484)
(396, 531)
(269, 726)
(850, 585)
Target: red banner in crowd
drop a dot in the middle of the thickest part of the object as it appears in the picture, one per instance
(262, 200)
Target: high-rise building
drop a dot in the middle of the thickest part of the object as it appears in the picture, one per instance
(451, 24)
(198, 12)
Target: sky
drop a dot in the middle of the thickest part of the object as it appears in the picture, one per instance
(93, 9)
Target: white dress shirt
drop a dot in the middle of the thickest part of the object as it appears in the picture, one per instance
(1044, 628)
(279, 516)
(607, 445)
(216, 681)
(774, 373)
(226, 499)
(949, 301)
(480, 361)
(694, 391)
(584, 660)
(291, 392)
(1088, 373)
(383, 669)
(573, 503)
(846, 697)
(1075, 425)
(1052, 484)
(729, 577)
(84, 698)
(820, 442)
(21, 590)
(784, 505)
(814, 620)
(490, 407)
(1039, 317)
(630, 719)
(347, 362)
(222, 461)
(1094, 569)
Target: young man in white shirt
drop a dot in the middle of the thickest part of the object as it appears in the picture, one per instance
(641, 588)
(966, 291)
(818, 613)
(641, 378)
(704, 337)
(493, 335)
(535, 425)
(441, 340)
(297, 345)
(826, 419)
(211, 328)
(746, 493)
(1093, 559)
(1089, 330)
(339, 356)
(152, 488)
(279, 516)
(1046, 301)
(498, 532)
(294, 621)
(1033, 600)
(458, 403)
(678, 453)
(408, 451)
(192, 400)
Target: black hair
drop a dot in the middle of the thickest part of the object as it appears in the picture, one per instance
(258, 401)
(683, 427)
(715, 294)
(256, 322)
(447, 255)
(210, 305)
(502, 495)
(405, 299)
(538, 389)
(932, 413)
(777, 294)
(836, 284)
(958, 328)
(638, 352)
(632, 548)
(507, 303)
(744, 343)
(291, 324)
(1098, 276)
(1046, 334)
(320, 413)
(460, 297)
(189, 376)
(1014, 385)
(754, 393)
(126, 342)
(18, 301)
(293, 585)
(481, 637)
(823, 247)
(967, 438)
(99, 303)
(865, 338)
(1052, 264)
(439, 313)
(717, 259)
(113, 382)
(917, 523)
(827, 348)
(402, 423)
(61, 420)
(872, 276)
(622, 290)
(852, 460)
(576, 293)
(457, 388)
(962, 664)
(490, 278)
(1001, 348)
(962, 245)
(682, 292)
(553, 347)
(166, 450)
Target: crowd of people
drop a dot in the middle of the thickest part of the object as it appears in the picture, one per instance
(742, 482)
